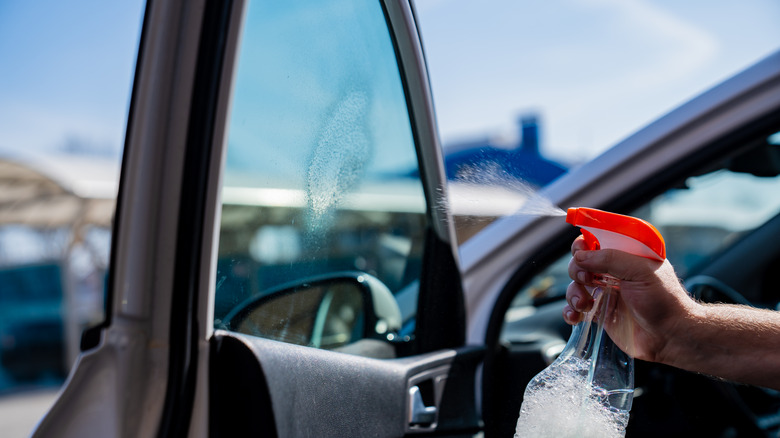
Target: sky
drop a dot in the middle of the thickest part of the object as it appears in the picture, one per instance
(593, 70)
(65, 75)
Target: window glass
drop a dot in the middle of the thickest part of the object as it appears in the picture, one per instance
(65, 81)
(710, 213)
(321, 175)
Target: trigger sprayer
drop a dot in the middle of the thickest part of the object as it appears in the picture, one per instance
(603, 230)
(588, 390)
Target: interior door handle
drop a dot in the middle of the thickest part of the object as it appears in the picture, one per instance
(419, 414)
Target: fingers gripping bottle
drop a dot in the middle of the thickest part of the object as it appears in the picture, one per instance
(587, 391)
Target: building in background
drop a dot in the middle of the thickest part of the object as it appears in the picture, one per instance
(520, 162)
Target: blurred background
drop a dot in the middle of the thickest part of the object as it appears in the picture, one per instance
(549, 84)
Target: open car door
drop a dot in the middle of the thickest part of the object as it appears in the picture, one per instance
(281, 266)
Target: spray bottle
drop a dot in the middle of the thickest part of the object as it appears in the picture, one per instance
(588, 390)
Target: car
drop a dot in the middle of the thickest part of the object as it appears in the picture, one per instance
(285, 260)
(32, 332)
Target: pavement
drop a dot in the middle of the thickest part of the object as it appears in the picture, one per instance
(20, 411)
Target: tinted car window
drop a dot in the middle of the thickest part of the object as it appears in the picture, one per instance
(321, 174)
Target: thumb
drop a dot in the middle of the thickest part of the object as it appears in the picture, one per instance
(617, 263)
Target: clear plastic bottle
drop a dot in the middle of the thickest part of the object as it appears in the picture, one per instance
(588, 390)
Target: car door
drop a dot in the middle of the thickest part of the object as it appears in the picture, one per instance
(283, 260)
(706, 174)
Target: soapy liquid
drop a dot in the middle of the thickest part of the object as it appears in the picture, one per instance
(475, 192)
(560, 403)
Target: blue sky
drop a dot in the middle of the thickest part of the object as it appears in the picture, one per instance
(66, 72)
(595, 70)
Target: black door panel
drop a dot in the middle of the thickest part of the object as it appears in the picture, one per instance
(314, 392)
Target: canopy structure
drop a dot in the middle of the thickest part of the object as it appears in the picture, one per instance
(53, 191)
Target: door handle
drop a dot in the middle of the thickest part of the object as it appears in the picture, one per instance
(419, 414)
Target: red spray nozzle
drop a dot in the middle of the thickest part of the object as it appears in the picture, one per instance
(603, 229)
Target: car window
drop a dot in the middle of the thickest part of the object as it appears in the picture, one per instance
(323, 210)
(706, 215)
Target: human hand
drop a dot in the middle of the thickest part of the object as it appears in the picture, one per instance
(650, 303)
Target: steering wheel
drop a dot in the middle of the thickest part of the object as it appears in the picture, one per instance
(753, 404)
(709, 289)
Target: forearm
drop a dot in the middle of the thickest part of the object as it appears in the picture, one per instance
(736, 343)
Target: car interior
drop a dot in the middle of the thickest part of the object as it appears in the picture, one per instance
(720, 222)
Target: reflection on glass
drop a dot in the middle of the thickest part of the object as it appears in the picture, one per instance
(321, 169)
(326, 316)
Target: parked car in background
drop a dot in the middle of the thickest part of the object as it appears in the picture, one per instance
(32, 344)
(284, 260)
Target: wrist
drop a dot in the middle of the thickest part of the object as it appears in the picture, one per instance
(678, 335)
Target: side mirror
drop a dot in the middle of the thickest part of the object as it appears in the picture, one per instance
(325, 312)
